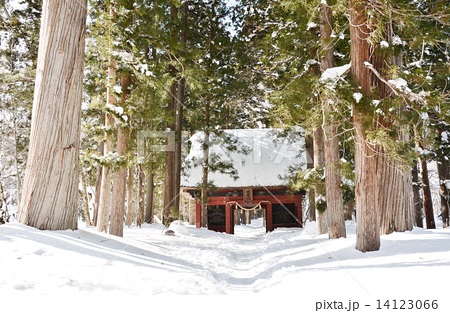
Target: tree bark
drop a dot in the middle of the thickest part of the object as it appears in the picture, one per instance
(180, 101)
(427, 200)
(119, 188)
(443, 167)
(141, 203)
(50, 190)
(394, 179)
(120, 181)
(169, 197)
(335, 200)
(309, 141)
(319, 192)
(98, 185)
(149, 198)
(334, 195)
(130, 200)
(177, 152)
(169, 194)
(105, 192)
(395, 201)
(366, 193)
(418, 214)
(106, 185)
(444, 177)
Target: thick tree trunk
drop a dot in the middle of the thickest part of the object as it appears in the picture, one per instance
(383, 186)
(394, 199)
(427, 200)
(394, 179)
(120, 181)
(335, 200)
(418, 215)
(366, 192)
(334, 195)
(119, 188)
(50, 189)
(169, 179)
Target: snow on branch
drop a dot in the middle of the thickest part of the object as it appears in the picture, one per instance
(399, 86)
(117, 111)
(333, 74)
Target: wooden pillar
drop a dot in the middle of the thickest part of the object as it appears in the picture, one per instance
(198, 214)
(237, 217)
(269, 221)
(229, 219)
(232, 219)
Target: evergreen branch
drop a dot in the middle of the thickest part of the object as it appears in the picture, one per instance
(378, 75)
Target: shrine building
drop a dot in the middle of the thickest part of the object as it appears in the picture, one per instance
(251, 169)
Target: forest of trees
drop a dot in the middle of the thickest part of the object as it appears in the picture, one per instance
(86, 85)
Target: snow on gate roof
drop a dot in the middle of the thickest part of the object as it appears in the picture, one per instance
(259, 157)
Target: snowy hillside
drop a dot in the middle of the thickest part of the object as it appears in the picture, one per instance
(288, 268)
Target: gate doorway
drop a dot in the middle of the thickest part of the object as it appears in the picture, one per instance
(249, 223)
(229, 207)
(234, 209)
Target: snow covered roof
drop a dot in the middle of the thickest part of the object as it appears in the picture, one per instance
(259, 157)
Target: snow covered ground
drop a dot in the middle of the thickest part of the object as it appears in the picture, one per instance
(289, 268)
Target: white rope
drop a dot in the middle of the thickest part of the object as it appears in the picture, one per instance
(256, 207)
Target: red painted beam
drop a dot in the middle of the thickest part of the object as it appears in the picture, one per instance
(269, 221)
(198, 215)
(229, 219)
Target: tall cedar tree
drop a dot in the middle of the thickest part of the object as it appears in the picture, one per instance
(50, 190)
(334, 196)
(104, 208)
